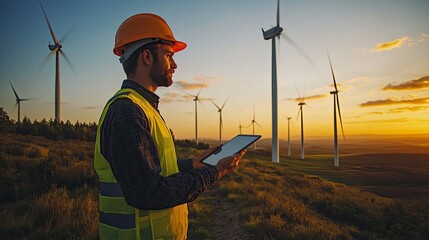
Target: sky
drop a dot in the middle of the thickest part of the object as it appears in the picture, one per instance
(379, 52)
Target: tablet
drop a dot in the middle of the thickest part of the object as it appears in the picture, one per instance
(233, 146)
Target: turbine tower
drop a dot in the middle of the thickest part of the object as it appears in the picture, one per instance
(272, 34)
(288, 136)
(18, 102)
(196, 99)
(300, 104)
(220, 118)
(240, 126)
(55, 49)
(253, 127)
(336, 106)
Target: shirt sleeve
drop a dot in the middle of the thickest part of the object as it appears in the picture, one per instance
(185, 165)
(132, 154)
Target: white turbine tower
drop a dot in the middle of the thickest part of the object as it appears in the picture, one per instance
(18, 102)
(301, 112)
(240, 126)
(272, 34)
(196, 99)
(288, 136)
(253, 127)
(220, 118)
(336, 106)
(56, 49)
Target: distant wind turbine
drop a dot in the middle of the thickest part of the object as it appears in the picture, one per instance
(196, 100)
(253, 127)
(240, 126)
(288, 136)
(220, 118)
(301, 112)
(56, 49)
(336, 105)
(18, 102)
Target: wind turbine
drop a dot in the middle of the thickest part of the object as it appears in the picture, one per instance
(220, 118)
(336, 105)
(253, 127)
(240, 126)
(272, 34)
(18, 102)
(55, 49)
(288, 136)
(196, 99)
(300, 104)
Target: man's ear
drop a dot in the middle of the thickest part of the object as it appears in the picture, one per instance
(147, 57)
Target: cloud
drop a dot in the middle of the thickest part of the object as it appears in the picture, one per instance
(391, 101)
(204, 78)
(190, 86)
(90, 107)
(175, 97)
(309, 98)
(420, 83)
(397, 120)
(386, 46)
(408, 109)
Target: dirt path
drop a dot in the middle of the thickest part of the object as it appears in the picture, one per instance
(226, 219)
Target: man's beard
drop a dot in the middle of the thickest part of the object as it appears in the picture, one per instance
(160, 75)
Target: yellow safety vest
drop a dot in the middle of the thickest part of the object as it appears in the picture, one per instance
(118, 220)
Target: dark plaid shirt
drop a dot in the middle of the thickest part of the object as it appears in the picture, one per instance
(128, 146)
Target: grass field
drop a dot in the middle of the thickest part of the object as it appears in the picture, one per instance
(390, 175)
(49, 190)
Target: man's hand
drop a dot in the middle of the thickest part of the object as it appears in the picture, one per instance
(196, 162)
(228, 164)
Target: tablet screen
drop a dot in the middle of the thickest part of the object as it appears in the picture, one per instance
(231, 147)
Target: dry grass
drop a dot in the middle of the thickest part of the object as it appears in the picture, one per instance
(48, 190)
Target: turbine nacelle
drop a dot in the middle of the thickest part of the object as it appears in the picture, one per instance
(54, 47)
(333, 92)
(272, 32)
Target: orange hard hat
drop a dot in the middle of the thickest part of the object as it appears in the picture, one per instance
(144, 26)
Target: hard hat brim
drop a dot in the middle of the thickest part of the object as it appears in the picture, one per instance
(179, 46)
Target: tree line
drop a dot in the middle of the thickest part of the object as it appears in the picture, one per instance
(55, 130)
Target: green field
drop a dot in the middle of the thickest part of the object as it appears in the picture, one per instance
(48, 190)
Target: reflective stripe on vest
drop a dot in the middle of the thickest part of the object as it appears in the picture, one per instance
(118, 220)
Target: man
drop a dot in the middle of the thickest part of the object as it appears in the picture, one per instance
(144, 190)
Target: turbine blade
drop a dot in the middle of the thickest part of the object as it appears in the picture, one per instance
(49, 24)
(186, 93)
(278, 13)
(68, 61)
(224, 103)
(249, 125)
(66, 35)
(26, 99)
(46, 59)
(341, 119)
(258, 124)
(16, 104)
(202, 85)
(296, 88)
(202, 104)
(214, 104)
(299, 50)
(333, 75)
(16, 95)
(297, 115)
